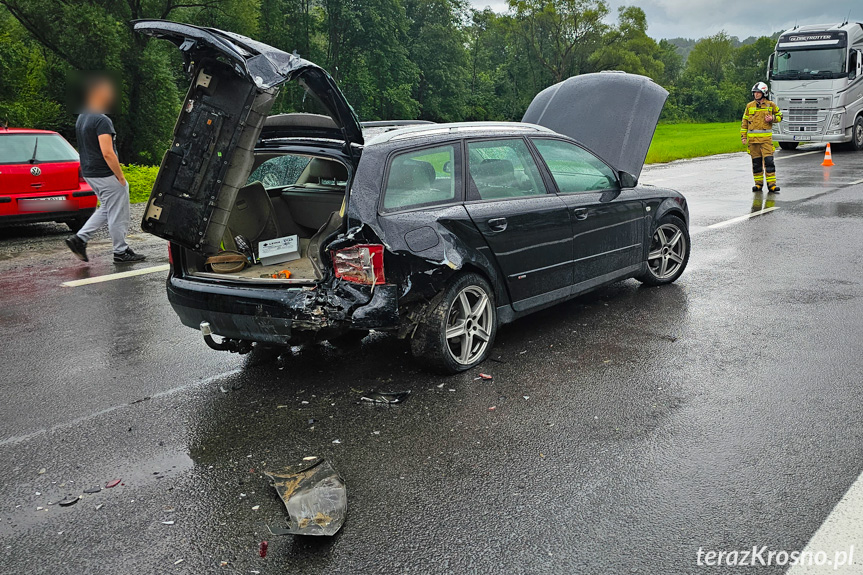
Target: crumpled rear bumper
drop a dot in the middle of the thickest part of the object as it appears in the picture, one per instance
(282, 315)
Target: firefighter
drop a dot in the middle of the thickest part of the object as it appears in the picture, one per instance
(756, 131)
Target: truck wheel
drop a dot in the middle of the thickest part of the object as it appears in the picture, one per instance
(669, 251)
(458, 331)
(857, 134)
(789, 145)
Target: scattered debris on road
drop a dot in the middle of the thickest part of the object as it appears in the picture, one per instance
(386, 397)
(69, 501)
(114, 483)
(483, 376)
(93, 490)
(262, 551)
(314, 495)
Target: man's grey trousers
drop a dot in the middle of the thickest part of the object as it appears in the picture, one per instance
(113, 210)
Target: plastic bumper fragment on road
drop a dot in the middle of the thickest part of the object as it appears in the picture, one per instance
(314, 495)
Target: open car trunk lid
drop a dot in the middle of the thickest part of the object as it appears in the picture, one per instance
(234, 83)
(614, 114)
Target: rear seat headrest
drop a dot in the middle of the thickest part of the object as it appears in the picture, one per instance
(493, 168)
(321, 169)
(412, 174)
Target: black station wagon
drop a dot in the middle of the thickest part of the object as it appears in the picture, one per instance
(304, 227)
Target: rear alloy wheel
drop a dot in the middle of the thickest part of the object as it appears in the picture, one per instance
(669, 251)
(857, 140)
(789, 145)
(458, 332)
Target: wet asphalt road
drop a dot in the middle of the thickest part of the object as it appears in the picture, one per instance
(631, 426)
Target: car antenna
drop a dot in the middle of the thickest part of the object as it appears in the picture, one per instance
(35, 147)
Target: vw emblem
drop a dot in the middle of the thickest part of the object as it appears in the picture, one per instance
(36, 171)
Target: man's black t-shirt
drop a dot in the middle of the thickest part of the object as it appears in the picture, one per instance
(88, 128)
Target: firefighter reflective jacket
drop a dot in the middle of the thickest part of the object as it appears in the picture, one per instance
(754, 126)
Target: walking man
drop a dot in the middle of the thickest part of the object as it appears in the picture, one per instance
(101, 169)
(756, 130)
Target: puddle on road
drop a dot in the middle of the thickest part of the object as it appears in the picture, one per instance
(832, 210)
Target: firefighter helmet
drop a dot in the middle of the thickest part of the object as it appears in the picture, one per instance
(761, 87)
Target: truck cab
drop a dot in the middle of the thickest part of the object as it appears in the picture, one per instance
(816, 79)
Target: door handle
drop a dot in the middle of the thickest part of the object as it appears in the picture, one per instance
(497, 224)
(580, 213)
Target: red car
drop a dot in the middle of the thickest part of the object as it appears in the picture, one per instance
(40, 179)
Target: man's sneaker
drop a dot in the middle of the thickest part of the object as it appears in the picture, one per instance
(78, 247)
(128, 257)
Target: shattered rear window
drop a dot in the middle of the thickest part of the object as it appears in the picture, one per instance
(280, 171)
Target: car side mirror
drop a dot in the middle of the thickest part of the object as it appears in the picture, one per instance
(627, 180)
(859, 62)
(447, 167)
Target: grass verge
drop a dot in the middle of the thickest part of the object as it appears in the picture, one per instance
(141, 179)
(680, 141)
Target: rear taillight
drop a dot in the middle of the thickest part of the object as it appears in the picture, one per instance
(81, 179)
(363, 264)
(171, 253)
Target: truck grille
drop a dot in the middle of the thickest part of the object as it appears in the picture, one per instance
(802, 115)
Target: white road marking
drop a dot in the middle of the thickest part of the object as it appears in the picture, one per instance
(741, 218)
(168, 392)
(798, 155)
(842, 530)
(117, 276)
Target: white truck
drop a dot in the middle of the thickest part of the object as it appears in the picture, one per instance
(816, 79)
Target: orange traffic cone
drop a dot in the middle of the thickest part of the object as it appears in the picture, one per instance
(828, 157)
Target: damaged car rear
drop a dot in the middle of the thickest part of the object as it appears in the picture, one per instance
(298, 228)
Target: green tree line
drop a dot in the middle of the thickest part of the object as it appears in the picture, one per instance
(437, 60)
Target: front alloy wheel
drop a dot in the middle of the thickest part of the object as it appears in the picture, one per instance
(669, 251)
(458, 330)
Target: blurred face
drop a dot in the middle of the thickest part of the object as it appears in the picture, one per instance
(757, 95)
(102, 95)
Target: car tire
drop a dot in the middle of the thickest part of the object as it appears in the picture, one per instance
(857, 134)
(349, 338)
(667, 257)
(78, 222)
(789, 145)
(467, 303)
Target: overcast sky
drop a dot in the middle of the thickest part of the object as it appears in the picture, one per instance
(742, 18)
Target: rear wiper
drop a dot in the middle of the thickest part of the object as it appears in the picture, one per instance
(36, 147)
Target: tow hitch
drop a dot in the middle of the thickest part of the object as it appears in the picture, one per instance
(232, 345)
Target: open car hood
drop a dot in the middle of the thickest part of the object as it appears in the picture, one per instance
(614, 114)
(235, 81)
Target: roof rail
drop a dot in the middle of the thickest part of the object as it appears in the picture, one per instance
(453, 128)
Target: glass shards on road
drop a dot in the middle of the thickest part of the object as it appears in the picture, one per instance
(314, 495)
(386, 397)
